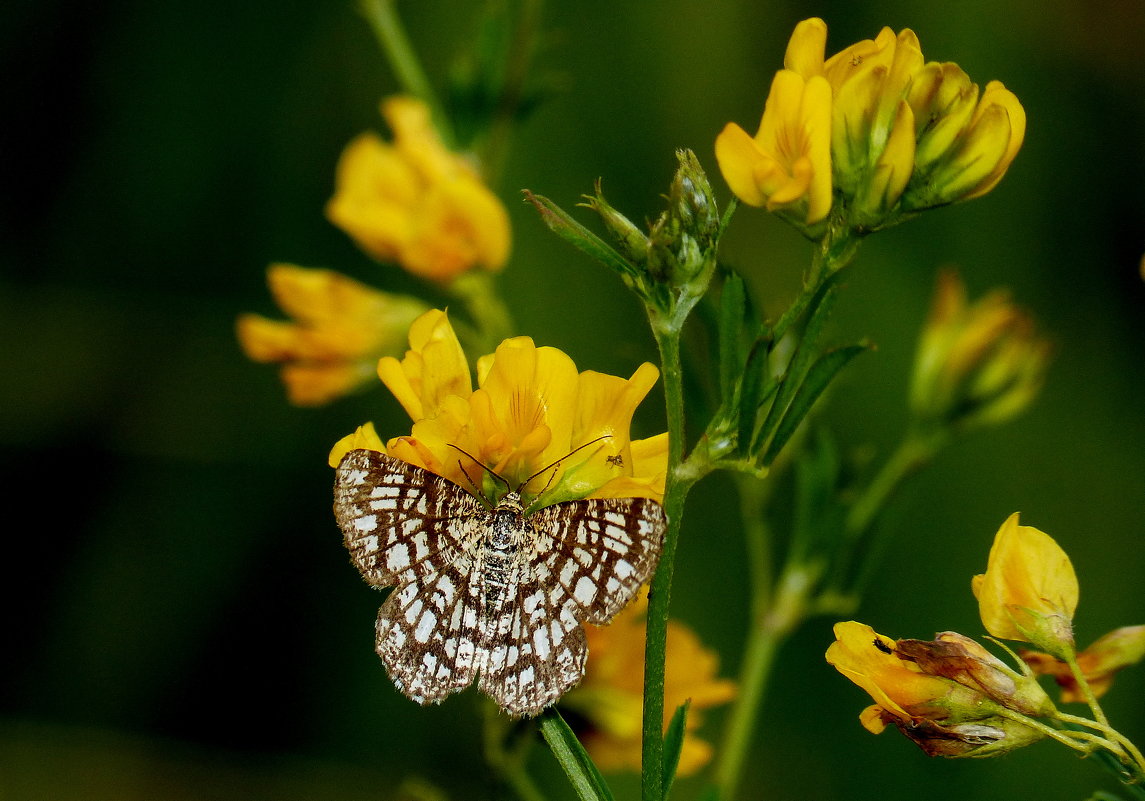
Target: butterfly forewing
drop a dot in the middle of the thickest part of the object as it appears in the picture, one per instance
(491, 592)
(400, 522)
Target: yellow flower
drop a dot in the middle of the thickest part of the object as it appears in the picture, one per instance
(872, 125)
(904, 135)
(416, 203)
(531, 410)
(786, 166)
(1099, 662)
(1029, 591)
(977, 364)
(340, 329)
(939, 694)
(965, 142)
(610, 699)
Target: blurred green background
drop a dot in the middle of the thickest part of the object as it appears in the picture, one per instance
(181, 621)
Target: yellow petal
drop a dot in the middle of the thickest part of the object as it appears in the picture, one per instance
(806, 47)
(1029, 586)
(737, 154)
(365, 437)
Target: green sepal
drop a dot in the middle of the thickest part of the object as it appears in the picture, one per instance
(818, 378)
(674, 744)
(578, 765)
(563, 225)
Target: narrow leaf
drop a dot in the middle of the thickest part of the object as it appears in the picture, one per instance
(818, 379)
(563, 225)
(674, 744)
(578, 765)
(732, 310)
(800, 363)
(755, 387)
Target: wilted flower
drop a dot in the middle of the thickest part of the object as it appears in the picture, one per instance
(1099, 662)
(1029, 591)
(610, 699)
(531, 410)
(414, 202)
(340, 329)
(933, 693)
(977, 364)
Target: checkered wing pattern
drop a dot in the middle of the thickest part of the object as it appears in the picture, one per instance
(407, 526)
(495, 594)
(588, 560)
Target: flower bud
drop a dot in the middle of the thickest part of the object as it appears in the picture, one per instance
(977, 364)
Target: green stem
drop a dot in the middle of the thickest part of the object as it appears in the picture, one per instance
(491, 317)
(391, 35)
(509, 765)
(1128, 753)
(516, 71)
(659, 595)
(914, 452)
(772, 623)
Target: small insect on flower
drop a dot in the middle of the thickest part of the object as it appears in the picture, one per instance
(490, 590)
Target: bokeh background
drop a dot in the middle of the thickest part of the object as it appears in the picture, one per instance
(180, 619)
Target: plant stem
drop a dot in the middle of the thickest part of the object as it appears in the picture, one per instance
(915, 451)
(490, 315)
(516, 71)
(391, 35)
(659, 595)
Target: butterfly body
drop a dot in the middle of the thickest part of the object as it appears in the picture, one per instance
(499, 593)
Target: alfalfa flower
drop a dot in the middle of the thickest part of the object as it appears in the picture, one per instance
(1098, 663)
(905, 135)
(340, 329)
(531, 410)
(786, 166)
(977, 363)
(1029, 591)
(943, 716)
(413, 202)
(610, 699)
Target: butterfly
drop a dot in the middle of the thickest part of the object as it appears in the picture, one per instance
(493, 593)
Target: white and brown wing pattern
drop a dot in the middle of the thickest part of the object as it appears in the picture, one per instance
(408, 527)
(588, 559)
(491, 592)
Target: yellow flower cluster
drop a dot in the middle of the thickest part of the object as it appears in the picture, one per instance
(414, 202)
(340, 330)
(874, 131)
(953, 697)
(610, 699)
(978, 363)
(531, 410)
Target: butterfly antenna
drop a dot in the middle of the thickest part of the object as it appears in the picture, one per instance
(558, 461)
(472, 483)
(482, 465)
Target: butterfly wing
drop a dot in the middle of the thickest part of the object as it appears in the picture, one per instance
(599, 551)
(401, 523)
(588, 560)
(407, 526)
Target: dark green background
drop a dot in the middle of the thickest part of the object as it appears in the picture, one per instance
(180, 620)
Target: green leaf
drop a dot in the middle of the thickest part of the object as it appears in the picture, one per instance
(733, 307)
(563, 225)
(756, 387)
(800, 363)
(578, 765)
(674, 744)
(818, 378)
